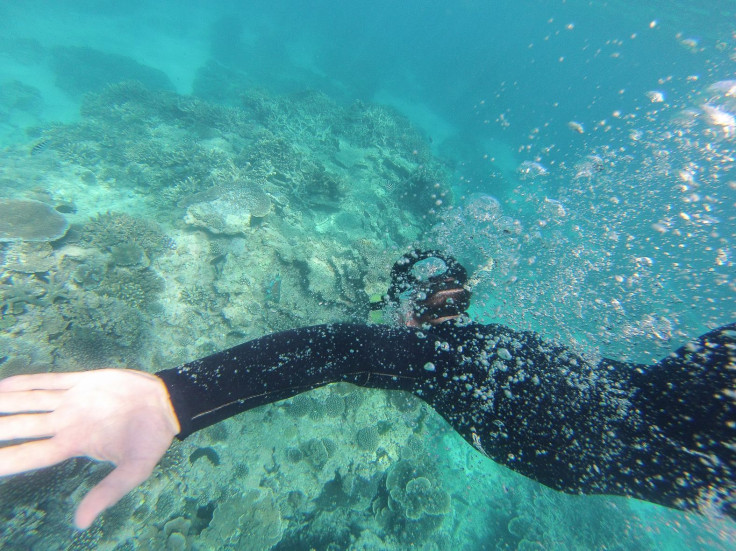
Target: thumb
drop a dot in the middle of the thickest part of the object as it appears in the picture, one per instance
(109, 491)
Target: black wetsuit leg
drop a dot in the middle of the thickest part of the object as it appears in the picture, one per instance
(684, 453)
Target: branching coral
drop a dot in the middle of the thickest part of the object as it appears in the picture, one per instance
(16, 291)
(14, 296)
(55, 289)
(112, 229)
(138, 288)
(129, 255)
(379, 125)
(103, 328)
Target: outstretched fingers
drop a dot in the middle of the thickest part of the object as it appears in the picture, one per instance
(31, 425)
(115, 415)
(30, 400)
(47, 381)
(31, 456)
(111, 490)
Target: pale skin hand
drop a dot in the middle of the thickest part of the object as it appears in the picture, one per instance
(117, 415)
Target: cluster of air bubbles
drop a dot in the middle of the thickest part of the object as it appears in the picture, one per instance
(655, 96)
(482, 207)
(646, 233)
(627, 249)
(589, 166)
(720, 108)
(531, 170)
(426, 269)
(475, 231)
(714, 113)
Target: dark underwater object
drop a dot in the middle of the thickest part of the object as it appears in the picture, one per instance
(40, 146)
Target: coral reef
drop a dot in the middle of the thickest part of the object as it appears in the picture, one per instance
(104, 328)
(232, 210)
(81, 69)
(221, 223)
(196, 225)
(415, 503)
(251, 520)
(35, 509)
(367, 438)
(129, 255)
(117, 229)
(27, 220)
(16, 95)
(29, 258)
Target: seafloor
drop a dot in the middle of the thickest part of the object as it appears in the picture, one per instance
(193, 227)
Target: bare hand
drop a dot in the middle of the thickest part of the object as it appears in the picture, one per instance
(117, 415)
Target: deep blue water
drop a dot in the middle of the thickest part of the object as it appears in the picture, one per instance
(455, 68)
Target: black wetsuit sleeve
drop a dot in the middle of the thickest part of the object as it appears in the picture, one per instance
(664, 433)
(284, 364)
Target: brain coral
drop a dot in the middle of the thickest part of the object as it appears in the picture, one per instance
(27, 220)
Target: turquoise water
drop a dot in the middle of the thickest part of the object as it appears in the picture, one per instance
(225, 171)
